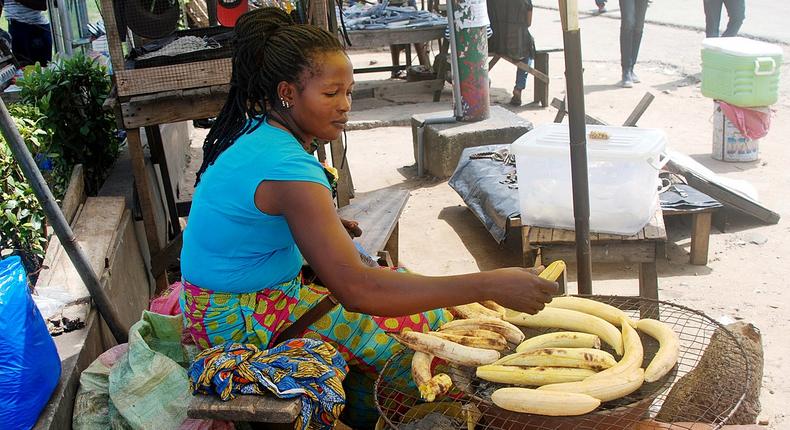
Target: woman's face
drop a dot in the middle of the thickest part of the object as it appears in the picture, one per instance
(321, 107)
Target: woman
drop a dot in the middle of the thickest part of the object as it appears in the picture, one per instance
(263, 202)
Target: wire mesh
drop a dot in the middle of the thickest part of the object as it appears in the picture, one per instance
(399, 404)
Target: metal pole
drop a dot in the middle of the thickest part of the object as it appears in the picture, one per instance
(59, 224)
(468, 20)
(571, 37)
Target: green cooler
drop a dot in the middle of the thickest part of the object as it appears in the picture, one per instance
(740, 71)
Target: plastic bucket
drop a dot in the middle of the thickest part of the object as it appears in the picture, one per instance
(728, 142)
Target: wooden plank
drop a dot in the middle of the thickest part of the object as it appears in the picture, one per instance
(389, 88)
(143, 187)
(167, 256)
(266, 409)
(648, 287)
(495, 59)
(198, 12)
(563, 236)
(377, 213)
(95, 230)
(395, 36)
(113, 40)
(529, 69)
(345, 188)
(156, 146)
(543, 235)
(560, 110)
(75, 194)
(188, 105)
(179, 76)
(589, 119)
(392, 245)
(541, 88)
(623, 252)
(700, 238)
(731, 198)
(639, 110)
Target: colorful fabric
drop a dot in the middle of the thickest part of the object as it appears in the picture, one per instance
(229, 244)
(298, 367)
(214, 318)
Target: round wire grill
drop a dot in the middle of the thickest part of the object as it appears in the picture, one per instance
(469, 402)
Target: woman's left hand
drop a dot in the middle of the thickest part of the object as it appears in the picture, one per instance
(352, 227)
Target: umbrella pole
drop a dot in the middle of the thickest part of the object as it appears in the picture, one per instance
(574, 81)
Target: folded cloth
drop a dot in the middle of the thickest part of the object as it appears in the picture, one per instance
(298, 367)
(752, 122)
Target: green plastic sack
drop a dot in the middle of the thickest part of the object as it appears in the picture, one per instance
(145, 388)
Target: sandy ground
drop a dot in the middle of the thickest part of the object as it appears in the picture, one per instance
(745, 278)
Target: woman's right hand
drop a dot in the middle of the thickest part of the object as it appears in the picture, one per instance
(521, 289)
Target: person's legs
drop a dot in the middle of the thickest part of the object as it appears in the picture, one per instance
(736, 10)
(627, 24)
(640, 10)
(30, 43)
(712, 17)
(395, 52)
(521, 82)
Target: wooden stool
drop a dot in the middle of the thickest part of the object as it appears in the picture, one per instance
(700, 232)
(544, 245)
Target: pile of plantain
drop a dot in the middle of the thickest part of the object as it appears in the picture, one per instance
(572, 374)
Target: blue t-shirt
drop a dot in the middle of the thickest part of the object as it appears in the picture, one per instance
(229, 244)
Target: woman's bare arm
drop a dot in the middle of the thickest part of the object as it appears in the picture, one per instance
(326, 245)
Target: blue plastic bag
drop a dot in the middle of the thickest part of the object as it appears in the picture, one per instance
(29, 362)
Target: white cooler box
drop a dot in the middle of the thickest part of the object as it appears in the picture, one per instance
(623, 176)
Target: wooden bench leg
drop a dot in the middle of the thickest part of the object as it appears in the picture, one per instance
(700, 238)
(392, 245)
(542, 88)
(530, 256)
(440, 66)
(648, 287)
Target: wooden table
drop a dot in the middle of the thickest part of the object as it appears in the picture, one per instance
(364, 39)
(544, 245)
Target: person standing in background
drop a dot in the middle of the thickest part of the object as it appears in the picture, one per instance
(736, 10)
(632, 22)
(528, 56)
(31, 36)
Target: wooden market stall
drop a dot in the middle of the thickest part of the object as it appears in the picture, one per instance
(196, 87)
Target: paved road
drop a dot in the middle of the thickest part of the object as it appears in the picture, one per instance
(765, 19)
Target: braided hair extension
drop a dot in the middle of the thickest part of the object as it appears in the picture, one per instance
(268, 48)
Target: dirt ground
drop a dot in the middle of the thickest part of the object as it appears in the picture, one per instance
(745, 277)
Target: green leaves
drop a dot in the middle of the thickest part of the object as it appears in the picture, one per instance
(70, 94)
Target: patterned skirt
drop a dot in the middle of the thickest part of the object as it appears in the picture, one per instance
(213, 318)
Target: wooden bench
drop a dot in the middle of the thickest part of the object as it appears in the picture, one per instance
(378, 213)
(544, 245)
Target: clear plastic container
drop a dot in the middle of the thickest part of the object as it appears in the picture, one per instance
(623, 177)
(741, 72)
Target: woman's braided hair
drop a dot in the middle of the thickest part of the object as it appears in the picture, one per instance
(268, 48)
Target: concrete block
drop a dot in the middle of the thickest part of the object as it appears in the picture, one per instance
(444, 143)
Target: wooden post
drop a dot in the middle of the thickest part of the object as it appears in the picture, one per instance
(578, 141)
(143, 187)
(542, 88)
(700, 238)
(345, 189)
